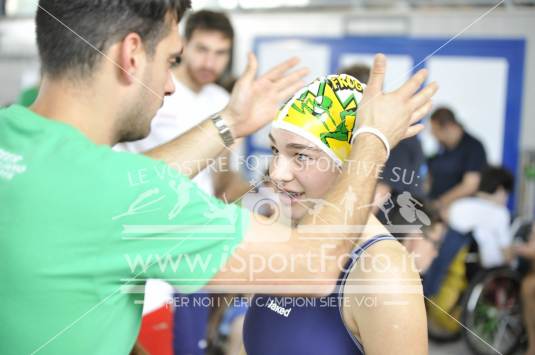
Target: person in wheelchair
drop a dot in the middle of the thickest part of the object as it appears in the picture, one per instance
(486, 216)
(483, 219)
(499, 302)
(477, 224)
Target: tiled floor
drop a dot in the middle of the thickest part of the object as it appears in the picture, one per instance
(456, 348)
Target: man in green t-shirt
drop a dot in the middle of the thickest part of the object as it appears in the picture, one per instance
(82, 226)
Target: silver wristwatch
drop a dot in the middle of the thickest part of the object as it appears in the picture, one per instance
(224, 130)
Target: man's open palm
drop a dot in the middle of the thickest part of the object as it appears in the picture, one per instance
(254, 102)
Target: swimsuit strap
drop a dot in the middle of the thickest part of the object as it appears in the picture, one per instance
(355, 255)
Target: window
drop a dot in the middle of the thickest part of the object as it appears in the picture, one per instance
(19, 8)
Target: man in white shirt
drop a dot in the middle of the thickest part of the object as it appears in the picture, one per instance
(205, 57)
(486, 216)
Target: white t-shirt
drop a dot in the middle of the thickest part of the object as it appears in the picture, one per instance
(180, 112)
(489, 223)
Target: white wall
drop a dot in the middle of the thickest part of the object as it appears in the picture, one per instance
(19, 67)
(500, 23)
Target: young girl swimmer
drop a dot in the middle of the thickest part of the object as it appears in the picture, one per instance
(378, 306)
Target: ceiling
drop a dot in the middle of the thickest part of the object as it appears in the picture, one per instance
(23, 8)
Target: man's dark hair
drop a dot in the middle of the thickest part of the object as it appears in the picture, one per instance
(70, 31)
(495, 177)
(444, 116)
(209, 21)
(359, 71)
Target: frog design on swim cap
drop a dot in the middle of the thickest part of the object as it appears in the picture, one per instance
(324, 112)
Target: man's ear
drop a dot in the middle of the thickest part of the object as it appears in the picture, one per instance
(131, 57)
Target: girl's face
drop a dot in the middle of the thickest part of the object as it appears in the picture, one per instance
(299, 171)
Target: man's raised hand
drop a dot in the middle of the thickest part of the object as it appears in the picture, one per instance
(254, 102)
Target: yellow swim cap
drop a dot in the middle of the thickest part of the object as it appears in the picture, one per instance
(324, 112)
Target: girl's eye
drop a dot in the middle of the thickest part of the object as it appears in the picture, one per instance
(302, 157)
(274, 150)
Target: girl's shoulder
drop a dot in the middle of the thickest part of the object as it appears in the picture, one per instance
(381, 292)
(385, 260)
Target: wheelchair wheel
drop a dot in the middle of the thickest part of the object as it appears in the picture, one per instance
(492, 313)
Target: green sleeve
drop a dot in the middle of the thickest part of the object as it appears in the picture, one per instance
(163, 226)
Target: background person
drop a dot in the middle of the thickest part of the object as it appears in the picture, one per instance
(487, 217)
(455, 171)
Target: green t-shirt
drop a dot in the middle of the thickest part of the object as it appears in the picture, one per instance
(82, 227)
